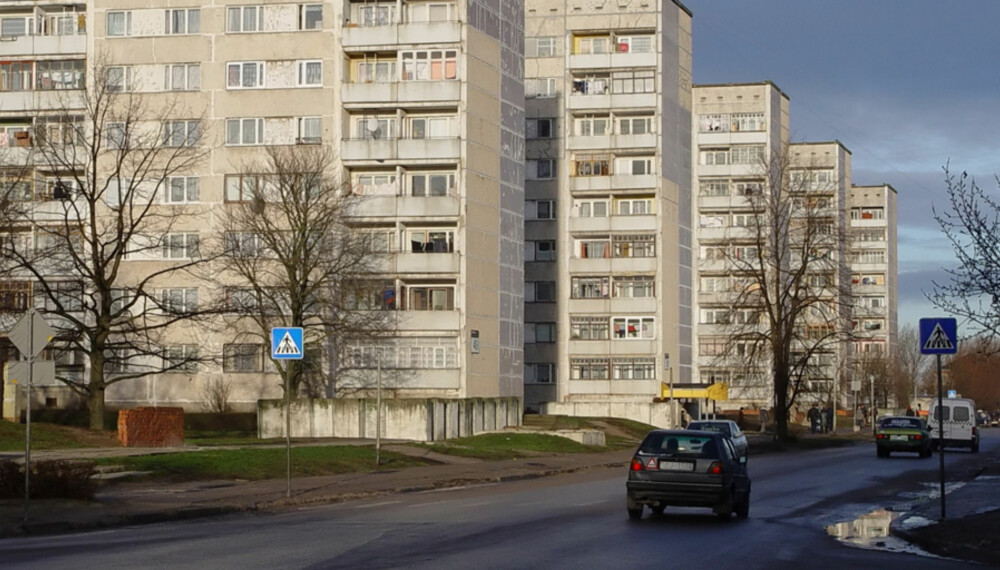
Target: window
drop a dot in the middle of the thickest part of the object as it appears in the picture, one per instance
(241, 300)
(591, 85)
(593, 165)
(589, 368)
(592, 208)
(539, 333)
(540, 47)
(540, 128)
(544, 250)
(179, 300)
(181, 190)
(65, 294)
(429, 65)
(540, 169)
(540, 87)
(749, 188)
(635, 166)
(539, 291)
(114, 135)
(373, 15)
(631, 328)
(182, 77)
(431, 11)
(242, 358)
(16, 76)
(375, 184)
(634, 44)
(371, 295)
(119, 79)
(242, 244)
(714, 157)
(244, 75)
(634, 245)
(310, 16)
(588, 328)
(748, 122)
(539, 373)
(713, 188)
(372, 128)
(633, 82)
(14, 26)
(747, 154)
(119, 24)
(15, 296)
(382, 241)
(593, 126)
(432, 241)
(310, 130)
(58, 75)
(590, 287)
(594, 248)
(633, 368)
(180, 246)
(431, 298)
(181, 358)
(540, 210)
(593, 45)
(244, 131)
(183, 21)
(431, 127)
(243, 187)
(310, 73)
(245, 19)
(60, 130)
(376, 71)
(432, 184)
(633, 206)
(635, 125)
(635, 287)
(181, 133)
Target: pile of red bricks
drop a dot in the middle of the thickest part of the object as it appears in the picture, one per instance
(151, 427)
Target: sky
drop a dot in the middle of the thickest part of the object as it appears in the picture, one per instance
(908, 86)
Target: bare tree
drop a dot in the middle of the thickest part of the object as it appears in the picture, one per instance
(90, 207)
(971, 223)
(291, 258)
(909, 363)
(786, 304)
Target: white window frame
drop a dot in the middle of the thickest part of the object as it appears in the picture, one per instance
(376, 184)
(542, 210)
(191, 18)
(243, 69)
(119, 78)
(431, 12)
(184, 354)
(631, 121)
(418, 65)
(591, 208)
(114, 134)
(634, 206)
(241, 136)
(257, 18)
(634, 166)
(542, 46)
(181, 299)
(309, 130)
(188, 186)
(628, 44)
(431, 126)
(302, 73)
(304, 10)
(541, 87)
(181, 246)
(540, 250)
(190, 73)
(426, 236)
(189, 128)
(429, 178)
(593, 126)
(126, 16)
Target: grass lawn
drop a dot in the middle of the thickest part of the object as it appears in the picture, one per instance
(51, 436)
(508, 445)
(265, 463)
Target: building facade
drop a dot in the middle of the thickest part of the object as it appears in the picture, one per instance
(874, 269)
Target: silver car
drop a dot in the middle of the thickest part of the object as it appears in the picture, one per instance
(728, 429)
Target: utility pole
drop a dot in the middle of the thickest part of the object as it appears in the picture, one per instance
(378, 409)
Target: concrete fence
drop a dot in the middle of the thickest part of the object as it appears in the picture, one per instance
(428, 419)
(653, 413)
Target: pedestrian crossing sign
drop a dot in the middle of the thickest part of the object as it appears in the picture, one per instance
(938, 336)
(286, 343)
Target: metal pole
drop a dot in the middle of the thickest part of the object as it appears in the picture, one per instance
(378, 411)
(288, 430)
(871, 378)
(27, 405)
(940, 419)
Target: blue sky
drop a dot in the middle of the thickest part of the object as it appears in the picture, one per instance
(906, 85)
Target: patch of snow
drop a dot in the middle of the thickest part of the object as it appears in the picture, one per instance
(916, 522)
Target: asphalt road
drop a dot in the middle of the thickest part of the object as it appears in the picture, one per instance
(573, 521)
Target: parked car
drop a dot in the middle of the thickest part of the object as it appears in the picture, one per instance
(902, 433)
(729, 430)
(687, 468)
(958, 416)
(982, 418)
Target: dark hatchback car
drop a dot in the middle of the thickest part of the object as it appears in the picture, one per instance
(902, 433)
(685, 468)
(729, 430)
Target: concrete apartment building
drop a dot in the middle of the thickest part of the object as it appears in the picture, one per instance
(421, 101)
(608, 260)
(874, 269)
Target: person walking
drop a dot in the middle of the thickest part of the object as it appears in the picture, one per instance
(739, 418)
(909, 411)
(763, 419)
(814, 418)
(828, 418)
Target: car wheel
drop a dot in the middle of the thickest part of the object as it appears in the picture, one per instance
(725, 512)
(925, 452)
(743, 509)
(657, 509)
(882, 452)
(635, 514)
(975, 446)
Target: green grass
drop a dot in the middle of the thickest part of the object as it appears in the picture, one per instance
(47, 436)
(209, 438)
(266, 463)
(499, 446)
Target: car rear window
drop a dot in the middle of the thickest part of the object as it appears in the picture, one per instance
(961, 414)
(683, 445)
(904, 423)
(721, 428)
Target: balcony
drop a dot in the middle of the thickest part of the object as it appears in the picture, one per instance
(427, 263)
(603, 265)
(615, 182)
(400, 149)
(31, 101)
(37, 46)
(357, 37)
(578, 142)
(428, 320)
(401, 92)
(730, 138)
(408, 206)
(611, 60)
(613, 224)
(616, 305)
(613, 101)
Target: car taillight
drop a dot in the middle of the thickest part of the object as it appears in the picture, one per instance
(917, 437)
(880, 436)
(715, 468)
(637, 464)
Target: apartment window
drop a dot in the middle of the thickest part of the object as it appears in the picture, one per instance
(540, 169)
(635, 125)
(310, 73)
(245, 19)
(539, 333)
(748, 188)
(635, 287)
(431, 241)
(310, 16)
(634, 44)
(375, 184)
(588, 328)
(376, 71)
(431, 11)
(242, 358)
(119, 24)
(748, 122)
(429, 65)
(245, 75)
(714, 157)
(713, 188)
(747, 154)
(594, 248)
(60, 130)
(716, 284)
(544, 250)
(632, 328)
(243, 187)
(181, 190)
(746, 221)
(119, 79)
(593, 45)
(592, 208)
(540, 210)
(540, 128)
(114, 135)
(310, 130)
(593, 126)
(244, 131)
(382, 241)
(431, 127)
(715, 316)
(539, 291)
(589, 368)
(874, 279)
(65, 294)
(179, 299)
(634, 245)
(635, 166)
(16, 76)
(590, 287)
(593, 165)
(540, 47)
(431, 298)
(59, 75)
(182, 77)
(242, 244)
(14, 26)
(633, 82)
(540, 87)
(745, 252)
(181, 133)
(633, 206)
(539, 373)
(186, 21)
(15, 296)
(633, 369)
(373, 15)
(241, 300)
(597, 85)
(181, 358)
(180, 246)
(713, 221)
(432, 184)
(372, 295)
(372, 128)
(868, 256)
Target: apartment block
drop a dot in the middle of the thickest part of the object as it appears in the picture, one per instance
(608, 259)
(874, 269)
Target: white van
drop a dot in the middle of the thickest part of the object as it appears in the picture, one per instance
(959, 416)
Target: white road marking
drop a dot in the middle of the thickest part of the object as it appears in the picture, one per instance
(372, 505)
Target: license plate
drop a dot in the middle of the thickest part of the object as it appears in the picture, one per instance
(676, 466)
(898, 437)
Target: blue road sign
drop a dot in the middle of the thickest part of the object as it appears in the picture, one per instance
(287, 343)
(938, 336)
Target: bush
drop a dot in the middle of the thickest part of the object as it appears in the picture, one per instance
(49, 480)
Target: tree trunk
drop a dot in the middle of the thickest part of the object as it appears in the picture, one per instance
(95, 406)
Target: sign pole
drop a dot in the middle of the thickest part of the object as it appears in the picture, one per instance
(940, 413)
(288, 343)
(288, 430)
(939, 336)
(27, 405)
